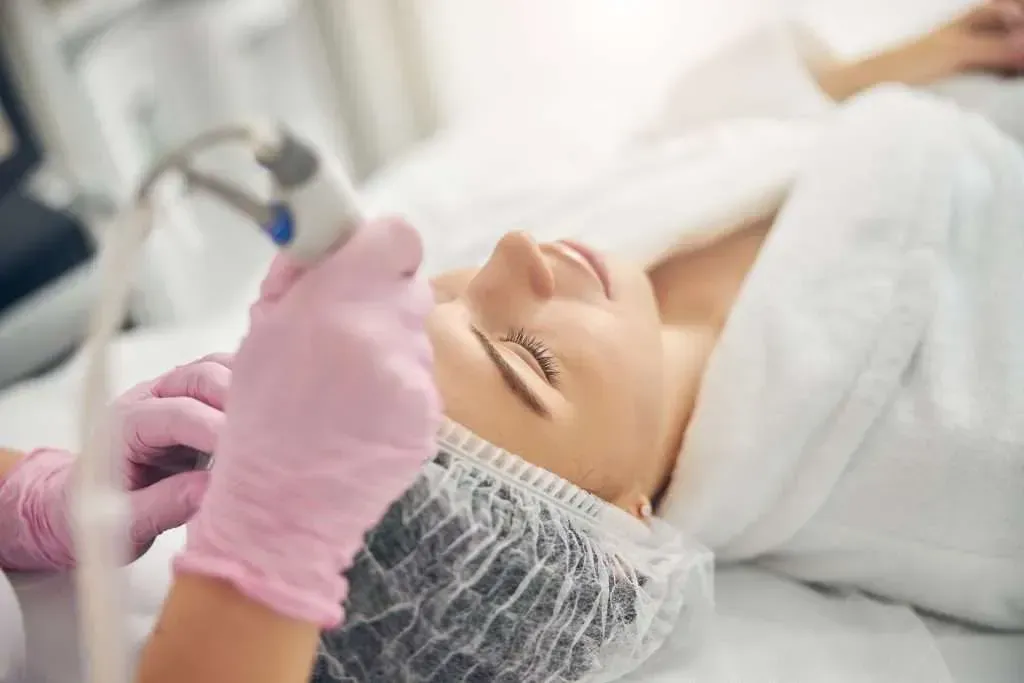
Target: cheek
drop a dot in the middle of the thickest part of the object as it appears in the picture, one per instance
(615, 411)
(614, 374)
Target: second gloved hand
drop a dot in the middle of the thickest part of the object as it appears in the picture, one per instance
(331, 414)
(154, 424)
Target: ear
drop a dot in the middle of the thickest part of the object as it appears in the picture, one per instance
(636, 503)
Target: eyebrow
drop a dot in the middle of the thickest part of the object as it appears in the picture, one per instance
(512, 379)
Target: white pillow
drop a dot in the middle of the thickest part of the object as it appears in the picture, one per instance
(464, 192)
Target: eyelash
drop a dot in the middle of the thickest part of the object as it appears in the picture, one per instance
(541, 353)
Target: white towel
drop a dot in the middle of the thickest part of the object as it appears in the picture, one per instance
(861, 421)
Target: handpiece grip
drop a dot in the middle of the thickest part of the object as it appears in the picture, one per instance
(316, 210)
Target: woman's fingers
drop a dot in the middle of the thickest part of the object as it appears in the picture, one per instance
(989, 37)
(1002, 52)
(1010, 12)
(995, 16)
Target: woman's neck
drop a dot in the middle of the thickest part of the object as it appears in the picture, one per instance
(696, 287)
(697, 284)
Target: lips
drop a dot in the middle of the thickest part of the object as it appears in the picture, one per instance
(591, 260)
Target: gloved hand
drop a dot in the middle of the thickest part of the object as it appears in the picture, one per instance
(155, 423)
(331, 414)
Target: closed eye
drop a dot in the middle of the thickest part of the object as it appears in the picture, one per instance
(516, 384)
(540, 352)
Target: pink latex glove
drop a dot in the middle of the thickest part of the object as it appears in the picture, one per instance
(158, 424)
(331, 414)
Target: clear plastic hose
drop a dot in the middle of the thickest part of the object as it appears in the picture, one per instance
(101, 505)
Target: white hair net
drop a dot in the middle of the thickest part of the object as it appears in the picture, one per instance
(492, 569)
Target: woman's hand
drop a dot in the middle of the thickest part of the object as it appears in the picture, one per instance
(160, 426)
(331, 415)
(988, 38)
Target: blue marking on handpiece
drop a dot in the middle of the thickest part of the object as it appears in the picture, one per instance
(282, 226)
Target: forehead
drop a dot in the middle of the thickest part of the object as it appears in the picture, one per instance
(451, 283)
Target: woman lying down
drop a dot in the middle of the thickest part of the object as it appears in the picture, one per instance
(832, 389)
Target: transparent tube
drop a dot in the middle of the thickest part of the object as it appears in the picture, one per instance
(101, 505)
(323, 209)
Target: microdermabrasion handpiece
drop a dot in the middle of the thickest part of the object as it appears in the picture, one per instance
(313, 213)
(315, 210)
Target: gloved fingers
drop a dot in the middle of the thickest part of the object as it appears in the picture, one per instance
(139, 392)
(165, 505)
(390, 246)
(206, 380)
(144, 390)
(380, 253)
(383, 252)
(150, 428)
(400, 242)
(420, 301)
(284, 272)
(172, 461)
(220, 358)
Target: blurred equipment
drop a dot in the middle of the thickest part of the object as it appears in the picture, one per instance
(45, 252)
(114, 84)
(19, 151)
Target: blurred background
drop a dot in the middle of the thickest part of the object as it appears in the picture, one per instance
(94, 90)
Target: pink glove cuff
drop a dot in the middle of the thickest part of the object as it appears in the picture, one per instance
(34, 531)
(291, 555)
(278, 595)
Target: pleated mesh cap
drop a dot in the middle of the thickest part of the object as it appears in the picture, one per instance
(492, 569)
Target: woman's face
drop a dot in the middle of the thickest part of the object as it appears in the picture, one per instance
(554, 353)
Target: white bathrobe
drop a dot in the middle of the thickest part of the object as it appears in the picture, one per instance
(861, 421)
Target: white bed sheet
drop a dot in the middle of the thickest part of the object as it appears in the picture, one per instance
(769, 629)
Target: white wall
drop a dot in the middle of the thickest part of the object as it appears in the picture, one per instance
(853, 27)
(386, 62)
(493, 54)
(488, 54)
(163, 77)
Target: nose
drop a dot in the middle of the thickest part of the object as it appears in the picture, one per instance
(518, 263)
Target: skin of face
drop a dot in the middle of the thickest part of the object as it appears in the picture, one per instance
(581, 335)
